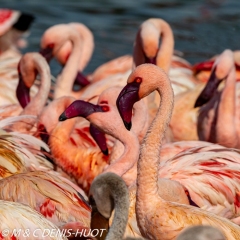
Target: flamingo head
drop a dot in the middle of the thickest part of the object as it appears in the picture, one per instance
(221, 68)
(26, 80)
(141, 82)
(84, 109)
(149, 35)
(47, 52)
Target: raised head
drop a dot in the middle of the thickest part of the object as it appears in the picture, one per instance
(221, 68)
(141, 82)
(103, 115)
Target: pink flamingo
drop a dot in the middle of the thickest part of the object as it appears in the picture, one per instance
(50, 195)
(174, 217)
(71, 144)
(174, 156)
(147, 50)
(202, 70)
(29, 65)
(87, 42)
(52, 41)
(15, 217)
(211, 127)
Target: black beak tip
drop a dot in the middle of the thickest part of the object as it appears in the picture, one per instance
(105, 152)
(196, 104)
(62, 117)
(128, 125)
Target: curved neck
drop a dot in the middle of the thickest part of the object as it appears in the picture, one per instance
(129, 156)
(67, 77)
(165, 52)
(87, 46)
(226, 132)
(149, 158)
(140, 124)
(39, 100)
(120, 219)
(139, 128)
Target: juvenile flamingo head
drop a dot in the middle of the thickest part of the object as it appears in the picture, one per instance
(140, 83)
(220, 70)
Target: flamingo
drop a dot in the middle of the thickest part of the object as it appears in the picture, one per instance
(174, 217)
(202, 70)
(50, 195)
(29, 65)
(72, 147)
(211, 127)
(199, 120)
(87, 42)
(109, 191)
(17, 219)
(147, 50)
(200, 157)
(54, 40)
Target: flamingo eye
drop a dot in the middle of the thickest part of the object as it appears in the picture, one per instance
(105, 108)
(51, 45)
(104, 102)
(138, 80)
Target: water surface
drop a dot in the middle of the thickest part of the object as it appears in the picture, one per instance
(202, 28)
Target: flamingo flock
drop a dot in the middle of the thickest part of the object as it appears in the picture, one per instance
(146, 148)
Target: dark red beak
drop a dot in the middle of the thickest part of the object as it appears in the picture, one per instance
(125, 101)
(22, 92)
(79, 108)
(47, 53)
(99, 138)
(81, 80)
(209, 89)
(151, 60)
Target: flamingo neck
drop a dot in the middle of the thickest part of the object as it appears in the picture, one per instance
(140, 123)
(149, 159)
(66, 79)
(39, 100)
(120, 219)
(165, 52)
(130, 155)
(227, 113)
(87, 47)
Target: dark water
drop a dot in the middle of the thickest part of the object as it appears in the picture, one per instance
(201, 28)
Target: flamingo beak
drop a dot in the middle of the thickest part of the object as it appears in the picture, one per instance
(99, 138)
(79, 108)
(81, 80)
(209, 89)
(22, 92)
(151, 60)
(47, 53)
(125, 101)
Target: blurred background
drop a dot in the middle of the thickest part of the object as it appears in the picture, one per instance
(202, 28)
